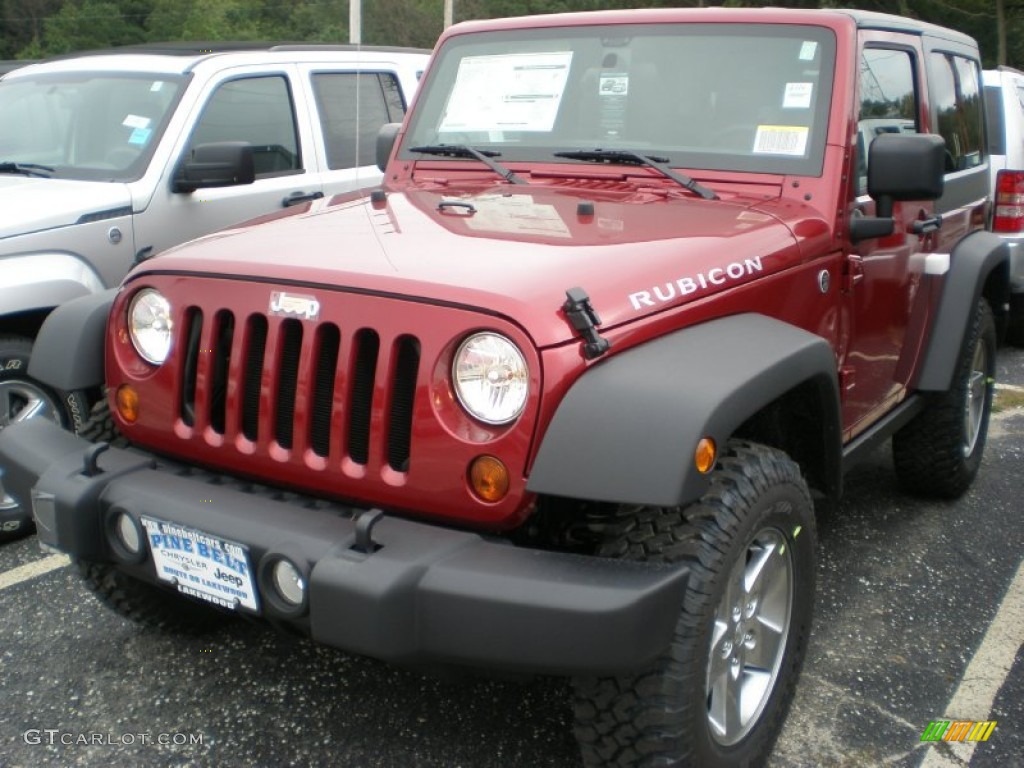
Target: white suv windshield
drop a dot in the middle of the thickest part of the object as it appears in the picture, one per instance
(715, 96)
(83, 125)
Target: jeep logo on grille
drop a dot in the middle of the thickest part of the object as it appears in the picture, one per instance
(294, 305)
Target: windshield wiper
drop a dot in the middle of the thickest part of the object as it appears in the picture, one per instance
(483, 155)
(26, 169)
(651, 161)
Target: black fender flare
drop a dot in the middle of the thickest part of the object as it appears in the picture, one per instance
(68, 351)
(971, 262)
(627, 429)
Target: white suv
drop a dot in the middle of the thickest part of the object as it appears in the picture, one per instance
(1004, 105)
(107, 159)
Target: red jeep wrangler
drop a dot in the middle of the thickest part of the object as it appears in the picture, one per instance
(560, 396)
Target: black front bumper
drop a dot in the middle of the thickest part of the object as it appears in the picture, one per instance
(426, 594)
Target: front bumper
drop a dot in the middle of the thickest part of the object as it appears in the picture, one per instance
(427, 594)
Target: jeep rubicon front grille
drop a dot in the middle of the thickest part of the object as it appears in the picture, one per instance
(268, 362)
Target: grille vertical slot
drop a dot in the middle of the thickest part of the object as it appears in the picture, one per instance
(223, 339)
(403, 393)
(287, 381)
(327, 343)
(256, 346)
(192, 332)
(367, 344)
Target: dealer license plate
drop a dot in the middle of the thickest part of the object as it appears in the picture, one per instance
(201, 565)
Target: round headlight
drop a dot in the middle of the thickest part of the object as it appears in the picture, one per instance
(491, 379)
(150, 326)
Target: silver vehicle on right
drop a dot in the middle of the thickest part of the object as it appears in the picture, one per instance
(1004, 105)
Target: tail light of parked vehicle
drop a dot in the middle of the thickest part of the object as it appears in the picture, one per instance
(1009, 203)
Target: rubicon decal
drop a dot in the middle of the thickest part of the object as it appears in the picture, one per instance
(683, 286)
(294, 305)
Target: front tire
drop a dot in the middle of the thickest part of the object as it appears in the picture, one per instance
(719, 694)
(939, 452)
(145, 604)
(22, 398)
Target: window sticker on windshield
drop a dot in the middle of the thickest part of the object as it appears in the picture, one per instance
(797, 96)
(513, 92)
(157, 86)
(139, 136)
(807, 50)
(614, 84)
(781, 139)
(135, 121)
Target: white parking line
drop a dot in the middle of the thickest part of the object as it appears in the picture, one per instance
(984, 677)
(33, 569)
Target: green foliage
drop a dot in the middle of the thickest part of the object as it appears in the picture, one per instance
(37, 28)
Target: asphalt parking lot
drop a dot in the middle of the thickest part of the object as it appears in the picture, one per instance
(919, 617)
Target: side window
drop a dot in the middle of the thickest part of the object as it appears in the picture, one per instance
(888, 101)
(352, 107)
(258, 110)
(956, 102)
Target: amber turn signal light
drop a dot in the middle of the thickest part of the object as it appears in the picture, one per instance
(705, 455)
(488, 478)
(128, 403)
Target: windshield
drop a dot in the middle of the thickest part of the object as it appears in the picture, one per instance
(84, 125)
(744, 97)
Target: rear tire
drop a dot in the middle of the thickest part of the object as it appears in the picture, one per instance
(939, 452)
(742, 630)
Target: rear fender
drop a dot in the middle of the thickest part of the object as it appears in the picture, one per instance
(978, 265)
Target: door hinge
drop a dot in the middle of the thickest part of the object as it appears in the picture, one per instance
(853, 272)
(847, 378)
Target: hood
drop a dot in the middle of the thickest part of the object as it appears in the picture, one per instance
(512, 250)
(32, 204)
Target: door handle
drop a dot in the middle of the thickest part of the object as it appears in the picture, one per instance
(300, 197)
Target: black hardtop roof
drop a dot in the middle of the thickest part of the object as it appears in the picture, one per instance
(889, 22)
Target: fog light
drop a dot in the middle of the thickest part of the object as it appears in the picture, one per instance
(128, 534)
(488, 478)
(705, 455)
(288, 582)
(128, 403)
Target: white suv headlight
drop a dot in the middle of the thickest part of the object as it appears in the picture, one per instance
(150, 325)
(491, 378)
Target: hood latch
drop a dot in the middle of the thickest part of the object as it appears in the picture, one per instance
(584, 320)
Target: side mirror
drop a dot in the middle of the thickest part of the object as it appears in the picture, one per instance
(901, 166)
(386, 137)
(219, 164)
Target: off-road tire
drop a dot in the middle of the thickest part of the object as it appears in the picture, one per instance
(17, 389)
(1015, 321)
(934, 454)
(661, 716)
(145, 604)
(100, 427)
